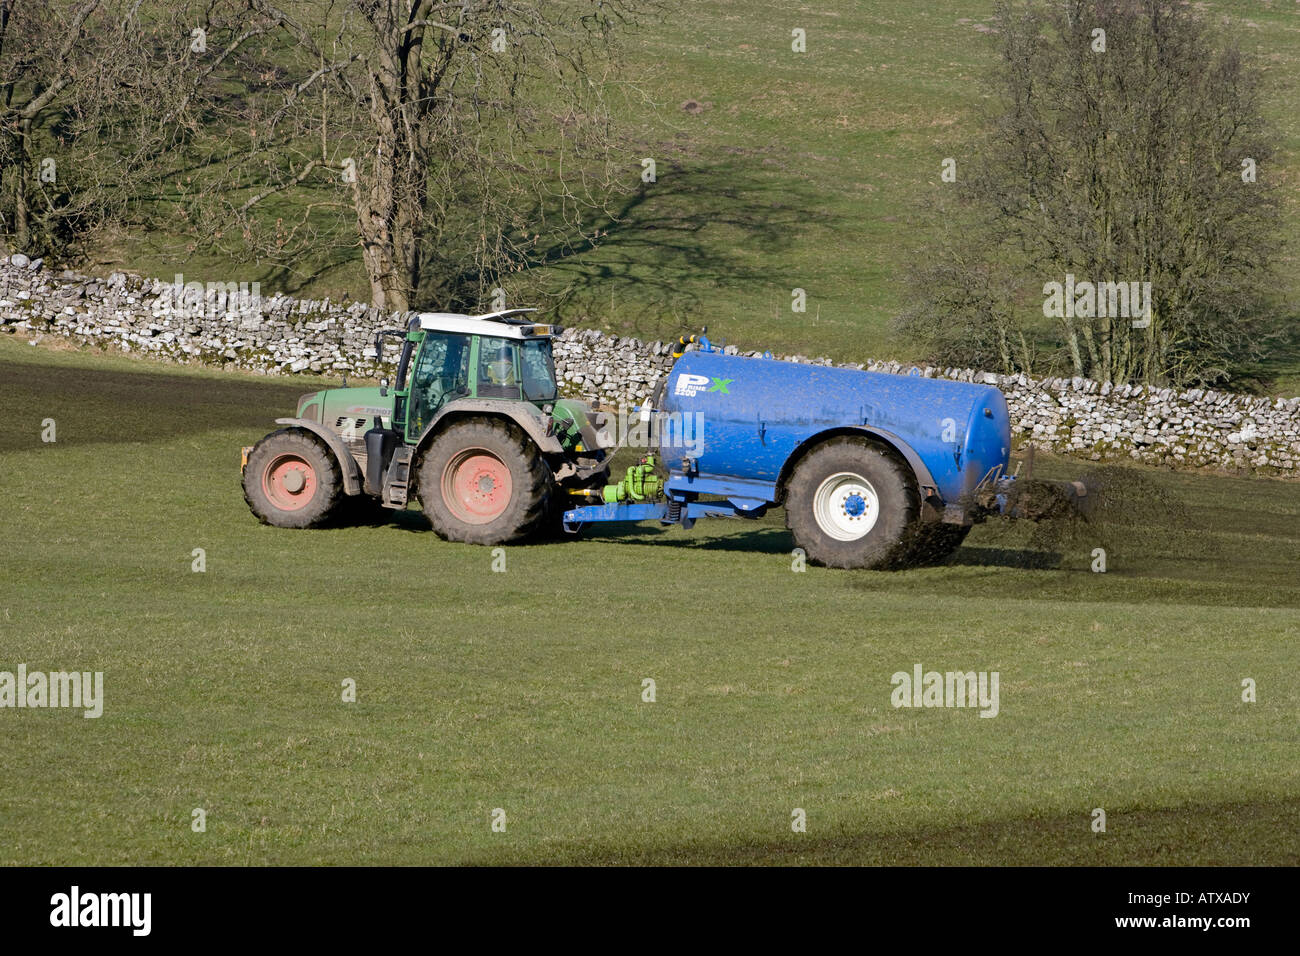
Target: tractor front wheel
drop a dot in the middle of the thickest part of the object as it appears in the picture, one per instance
(849, 504)
(484, 482)
(291, 481)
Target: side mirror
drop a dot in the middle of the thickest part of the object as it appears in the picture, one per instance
(383, 386)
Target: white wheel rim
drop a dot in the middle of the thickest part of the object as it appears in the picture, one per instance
(846, 506)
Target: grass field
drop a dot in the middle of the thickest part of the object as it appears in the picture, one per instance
(806, 171)
(522, 690)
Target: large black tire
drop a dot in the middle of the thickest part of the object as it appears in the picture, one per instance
(292, 480)
(931, 542)
(484, 482)
(820, 505)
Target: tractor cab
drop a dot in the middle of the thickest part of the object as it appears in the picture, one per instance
(496, 356)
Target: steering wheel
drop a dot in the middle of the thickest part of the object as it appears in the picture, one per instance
(438, 392)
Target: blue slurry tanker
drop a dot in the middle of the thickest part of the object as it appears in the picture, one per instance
(874, 470)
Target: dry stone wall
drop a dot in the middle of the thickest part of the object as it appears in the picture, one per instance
(283, 335)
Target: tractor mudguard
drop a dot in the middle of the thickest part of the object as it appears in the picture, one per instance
(526, 416)
(347, 464)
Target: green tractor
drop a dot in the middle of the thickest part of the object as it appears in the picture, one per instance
(472, 426)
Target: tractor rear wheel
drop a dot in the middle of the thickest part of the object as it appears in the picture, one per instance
(484, 482)
(292, 481)
(850, 503)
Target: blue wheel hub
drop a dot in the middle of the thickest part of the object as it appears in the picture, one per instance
(854, 506)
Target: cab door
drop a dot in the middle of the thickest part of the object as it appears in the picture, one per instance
(440, 375)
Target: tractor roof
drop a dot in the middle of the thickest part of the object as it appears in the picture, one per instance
(504, 324)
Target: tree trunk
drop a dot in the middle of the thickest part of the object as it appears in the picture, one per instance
(1072, 338)
(22, 169)
(1107, 358)
(382, 230)
(388, 217)
(1093, 359)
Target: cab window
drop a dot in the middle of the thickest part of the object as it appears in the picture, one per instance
(538, 371)
(441, 375)
(498, 368)
(516, 368)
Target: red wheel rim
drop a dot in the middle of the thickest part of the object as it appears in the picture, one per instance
(289, 482)
(476, 486)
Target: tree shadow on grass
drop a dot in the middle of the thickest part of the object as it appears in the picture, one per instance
(93, 406)
(1256, 833)
(698, 226)
(1023, 558)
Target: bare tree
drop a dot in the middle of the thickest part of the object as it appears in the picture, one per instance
(448, 142)
(45, 48)
(1128, 146)
(96, 111)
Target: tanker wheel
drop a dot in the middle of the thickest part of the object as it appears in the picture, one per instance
(850, 504)
(931, 542)
(484, 482)
(292, 481)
